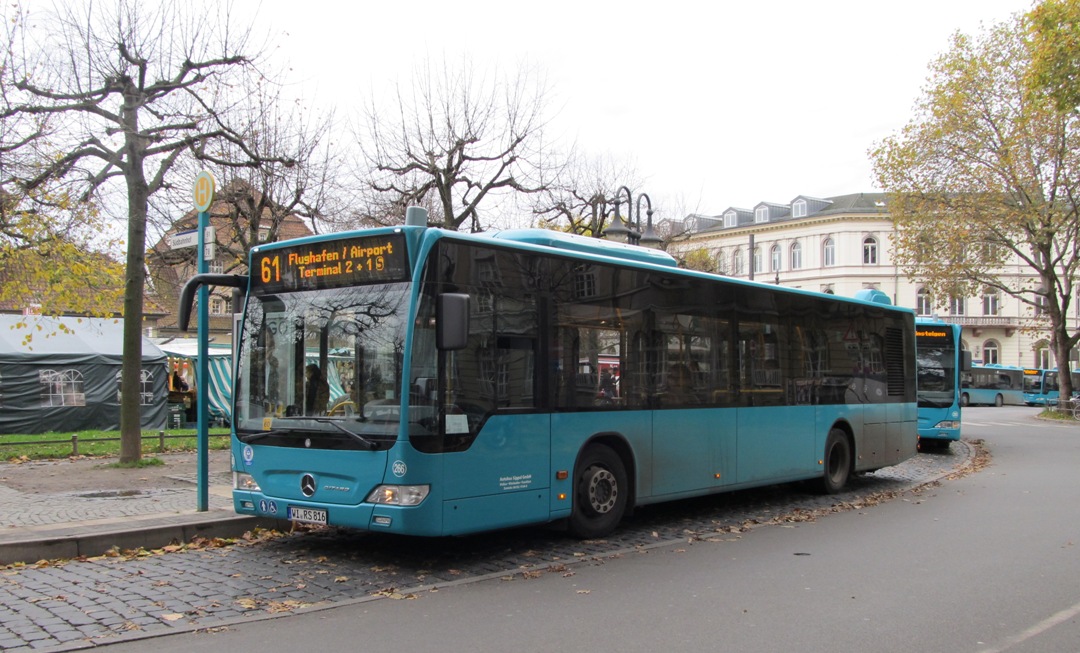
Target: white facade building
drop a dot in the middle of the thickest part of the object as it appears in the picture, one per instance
(844, 244)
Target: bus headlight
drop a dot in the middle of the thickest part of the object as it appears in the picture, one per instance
(399, 495)
(242, 481)
(947, 424)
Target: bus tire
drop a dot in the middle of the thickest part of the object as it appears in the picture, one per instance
(965, 400)
(999, 401)
(600, 493)
(837, 462)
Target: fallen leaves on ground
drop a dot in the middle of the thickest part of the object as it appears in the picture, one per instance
(198, 543)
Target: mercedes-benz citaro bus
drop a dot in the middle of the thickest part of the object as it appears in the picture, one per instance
(992, 385)
(461, 403)
(940, 364)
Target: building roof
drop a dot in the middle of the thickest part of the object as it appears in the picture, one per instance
(817, 207)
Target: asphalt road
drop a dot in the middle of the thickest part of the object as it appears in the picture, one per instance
(985, 563)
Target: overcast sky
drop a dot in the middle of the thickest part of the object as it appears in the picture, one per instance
(719, 103)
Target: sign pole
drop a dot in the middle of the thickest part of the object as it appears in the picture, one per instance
(204, 197)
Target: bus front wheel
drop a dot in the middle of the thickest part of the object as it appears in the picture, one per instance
(600, 493)
(965, 400)
(837, 461)
(999, 401)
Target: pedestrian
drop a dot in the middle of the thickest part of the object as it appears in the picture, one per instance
(316, 392)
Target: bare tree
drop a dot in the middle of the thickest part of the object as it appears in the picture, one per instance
(581, 196)
(297, 177)
(459, 142)
(130, 88)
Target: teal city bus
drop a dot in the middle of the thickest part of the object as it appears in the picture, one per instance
(465, 405)
(941, 360)
(1041, 386)
(992, 385)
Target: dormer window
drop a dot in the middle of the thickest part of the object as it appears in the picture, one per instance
(798, 209)
(761, 214)
(731, 219)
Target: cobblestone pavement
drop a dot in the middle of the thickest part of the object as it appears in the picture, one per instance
(70, 605)
(118, 501)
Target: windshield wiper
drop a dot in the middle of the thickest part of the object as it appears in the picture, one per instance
(259, 435)
(356, 436)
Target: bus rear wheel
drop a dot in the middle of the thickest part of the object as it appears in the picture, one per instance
(999, 401)
(600, 493)
(837, 460)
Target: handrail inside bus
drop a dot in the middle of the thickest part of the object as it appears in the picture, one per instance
(187, 293)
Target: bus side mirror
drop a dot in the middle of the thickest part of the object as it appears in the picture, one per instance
(965, 360)
(452, 321)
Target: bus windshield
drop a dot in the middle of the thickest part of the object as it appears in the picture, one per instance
(323, 368)
(936, 375)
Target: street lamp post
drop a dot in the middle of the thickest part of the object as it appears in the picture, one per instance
(618, 230)
(633, 235)
(648, 237)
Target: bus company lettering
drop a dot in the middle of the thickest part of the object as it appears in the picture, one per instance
(518, 482)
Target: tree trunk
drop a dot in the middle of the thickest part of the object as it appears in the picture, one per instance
(138, 195)
(1061, 343)
(134, 282)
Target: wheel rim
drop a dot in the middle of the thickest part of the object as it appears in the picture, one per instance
(603, 490)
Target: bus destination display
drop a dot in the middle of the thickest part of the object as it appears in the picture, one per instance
(929, 332)
(332, 264)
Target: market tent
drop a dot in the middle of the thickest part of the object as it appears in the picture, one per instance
(220, 366)
(221, 372)
(64, 374)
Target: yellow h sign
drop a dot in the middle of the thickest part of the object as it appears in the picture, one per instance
(204, 191)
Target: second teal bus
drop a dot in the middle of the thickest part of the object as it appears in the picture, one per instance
(993, 385)
(941, 360)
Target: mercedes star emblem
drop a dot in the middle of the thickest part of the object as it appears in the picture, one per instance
(307, 485)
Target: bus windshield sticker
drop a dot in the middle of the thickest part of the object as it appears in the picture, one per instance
(457, 424)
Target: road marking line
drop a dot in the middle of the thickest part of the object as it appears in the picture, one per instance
(1037, 629)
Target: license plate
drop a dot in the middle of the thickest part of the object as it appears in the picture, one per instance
(308, 515)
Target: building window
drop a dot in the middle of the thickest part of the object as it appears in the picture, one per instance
(485, 302)
(1042, 356)
(757, 259)
(738, 265)
(796, 256)
(216, 267)
(777, 256)
(922, 302)
(584, 281)
(991, 303)
(731, 219)
(217, 305)
(869, 251)
(761, 214)
(828, 253)
(957, 305)
(991, 353)
(798, 209)
(1042, 303)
